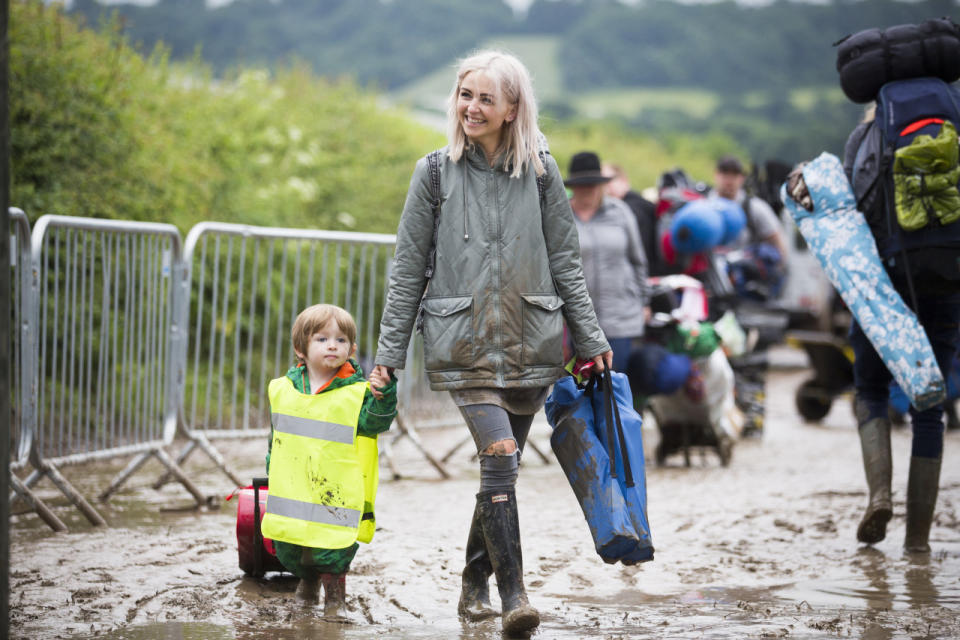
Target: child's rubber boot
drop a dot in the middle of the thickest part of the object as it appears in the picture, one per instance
(878, 466)
(334, 595)
(308, 589)
(922, 486)
(501, 528)
(475, 588)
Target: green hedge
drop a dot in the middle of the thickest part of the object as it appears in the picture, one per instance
(97, 130)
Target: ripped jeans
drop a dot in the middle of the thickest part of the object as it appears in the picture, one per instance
(499, 436)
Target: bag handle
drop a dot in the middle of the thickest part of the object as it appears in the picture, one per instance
(614, 425)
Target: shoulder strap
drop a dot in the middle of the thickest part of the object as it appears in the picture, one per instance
(433, 168)
(542, 178)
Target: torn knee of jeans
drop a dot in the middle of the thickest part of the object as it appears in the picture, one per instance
(501, 448)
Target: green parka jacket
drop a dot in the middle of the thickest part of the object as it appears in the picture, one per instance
(507, 274)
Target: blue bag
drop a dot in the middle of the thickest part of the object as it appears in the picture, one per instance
(592, 427)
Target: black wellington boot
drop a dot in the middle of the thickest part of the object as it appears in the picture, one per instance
(475, 590)
(922, 486)
(501, 528)
(878, 465)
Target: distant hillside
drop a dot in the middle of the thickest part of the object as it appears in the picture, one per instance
(724, 47)
(763, 75)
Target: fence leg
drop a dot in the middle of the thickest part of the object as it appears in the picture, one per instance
(73, 495)
(455, 448)
(181, 476)
(37, 504)
(180, 459)
(28, 482)
(386, 450)
(200, 440)
(115, 484)
(412, 434)
(538, 451)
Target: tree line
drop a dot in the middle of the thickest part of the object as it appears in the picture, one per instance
(724, 47)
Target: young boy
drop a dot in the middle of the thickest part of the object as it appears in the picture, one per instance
(323, 450)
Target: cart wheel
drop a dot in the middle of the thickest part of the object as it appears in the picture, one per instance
(813, 403)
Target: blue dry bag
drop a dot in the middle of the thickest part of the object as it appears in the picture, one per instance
(591, 428)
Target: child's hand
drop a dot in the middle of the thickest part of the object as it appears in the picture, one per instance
(378, 379)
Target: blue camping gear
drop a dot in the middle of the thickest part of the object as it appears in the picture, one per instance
(839, 237)
(696, 226)
(734, 218)
(591, 427)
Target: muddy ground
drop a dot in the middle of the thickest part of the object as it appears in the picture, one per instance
(762, 549)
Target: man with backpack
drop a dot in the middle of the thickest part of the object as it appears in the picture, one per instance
(902, 162)
(762, 240)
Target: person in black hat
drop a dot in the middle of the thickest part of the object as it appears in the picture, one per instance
(614, 261)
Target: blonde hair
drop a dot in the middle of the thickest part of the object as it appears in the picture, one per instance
(520, 139)
(314, 318)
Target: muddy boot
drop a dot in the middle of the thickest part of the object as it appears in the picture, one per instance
(475, 591)
(308, 589)
(878, 465)
(334, 594)
(922, 486)
(501, 528)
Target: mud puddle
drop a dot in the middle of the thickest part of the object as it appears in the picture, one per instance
(762, 549)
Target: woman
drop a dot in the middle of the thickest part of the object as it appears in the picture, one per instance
(507, 273)
(614, 261)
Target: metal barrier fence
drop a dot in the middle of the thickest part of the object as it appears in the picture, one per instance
(245, 286)
(21, 434)
(126, 340)
(103, 335)
(22, 407)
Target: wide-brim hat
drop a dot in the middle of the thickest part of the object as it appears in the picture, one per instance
(585, 170)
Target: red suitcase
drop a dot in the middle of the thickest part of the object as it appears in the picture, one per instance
(257, 555)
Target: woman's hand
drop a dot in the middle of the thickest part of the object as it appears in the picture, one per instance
(378, 379)
(603, 360)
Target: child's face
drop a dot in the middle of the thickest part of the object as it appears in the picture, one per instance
(328, 348)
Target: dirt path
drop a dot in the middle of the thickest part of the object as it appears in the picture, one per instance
(762, 549)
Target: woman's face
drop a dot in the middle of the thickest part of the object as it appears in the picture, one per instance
(483, 110)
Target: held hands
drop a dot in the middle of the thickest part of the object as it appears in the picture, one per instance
(378, 379)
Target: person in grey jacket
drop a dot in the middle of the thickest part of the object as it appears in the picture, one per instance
(614, 260)
(507, 274)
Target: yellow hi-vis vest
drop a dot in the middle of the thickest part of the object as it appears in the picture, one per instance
(323, 476)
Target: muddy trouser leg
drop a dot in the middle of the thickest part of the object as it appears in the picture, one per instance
(872, 381)
(939, 316)
(488, 424)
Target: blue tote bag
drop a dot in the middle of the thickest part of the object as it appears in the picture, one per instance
(592, 428)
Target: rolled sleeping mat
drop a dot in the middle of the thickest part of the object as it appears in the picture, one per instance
(869, 59)
(839, 237)
(696, 226)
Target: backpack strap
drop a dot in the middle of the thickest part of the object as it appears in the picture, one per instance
(542, 178)
(433, 169)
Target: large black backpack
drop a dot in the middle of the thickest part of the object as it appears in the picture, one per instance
(905, 110)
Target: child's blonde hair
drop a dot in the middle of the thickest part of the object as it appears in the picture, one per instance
(520, 141)
(314, 318)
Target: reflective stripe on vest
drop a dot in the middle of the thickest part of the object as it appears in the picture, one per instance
(310, 512)
(317, 482)
(313, 428)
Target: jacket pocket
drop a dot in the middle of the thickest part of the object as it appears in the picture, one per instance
(542, 330)
(448, 332)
